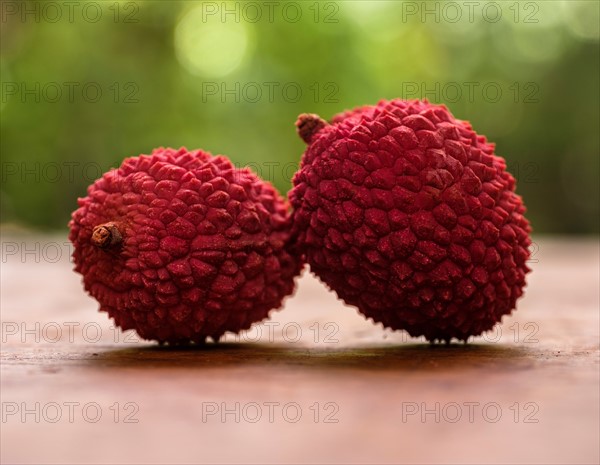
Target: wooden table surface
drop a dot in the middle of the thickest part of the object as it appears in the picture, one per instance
(317, 384)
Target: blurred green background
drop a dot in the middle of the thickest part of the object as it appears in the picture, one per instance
(85, 84)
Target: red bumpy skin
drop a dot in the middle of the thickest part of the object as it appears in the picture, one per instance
(182, 245)
(407, 214)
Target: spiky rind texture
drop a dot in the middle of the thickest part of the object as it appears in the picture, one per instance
(406, 213)
(204, 247)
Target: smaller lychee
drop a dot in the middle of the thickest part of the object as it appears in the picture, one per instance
(182, 245)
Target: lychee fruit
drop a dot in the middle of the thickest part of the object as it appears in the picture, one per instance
(407, 214)
(182, 245)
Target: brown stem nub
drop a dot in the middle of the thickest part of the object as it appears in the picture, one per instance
(106, 235)
(308, 124)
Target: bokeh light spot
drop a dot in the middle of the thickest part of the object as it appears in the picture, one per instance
(209, 46)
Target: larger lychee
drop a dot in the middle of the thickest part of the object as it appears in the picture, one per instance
(408, 214)
(181, 245)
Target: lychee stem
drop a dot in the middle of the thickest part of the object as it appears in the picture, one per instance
(106, 235)
(308, 124)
